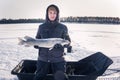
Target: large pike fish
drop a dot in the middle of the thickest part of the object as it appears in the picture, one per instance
(46, 43)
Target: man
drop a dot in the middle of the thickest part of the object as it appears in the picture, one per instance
(53, 58)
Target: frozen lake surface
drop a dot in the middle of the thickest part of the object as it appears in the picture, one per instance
(86, 39)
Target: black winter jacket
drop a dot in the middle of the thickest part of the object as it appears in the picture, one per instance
(52, 30)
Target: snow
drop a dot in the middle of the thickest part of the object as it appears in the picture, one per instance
(86, 40)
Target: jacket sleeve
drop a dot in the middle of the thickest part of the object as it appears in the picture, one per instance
(37, 37)
(66, 35)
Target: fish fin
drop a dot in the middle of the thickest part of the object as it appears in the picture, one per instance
(50, 48)
(29, 38)
(21, 41)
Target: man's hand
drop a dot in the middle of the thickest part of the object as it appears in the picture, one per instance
(58, 46)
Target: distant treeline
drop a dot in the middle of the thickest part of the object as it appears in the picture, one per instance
(11, 21)
(93, 20)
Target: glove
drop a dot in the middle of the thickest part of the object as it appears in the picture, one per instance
(58, 46)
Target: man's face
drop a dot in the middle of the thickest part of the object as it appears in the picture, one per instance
(52, 15)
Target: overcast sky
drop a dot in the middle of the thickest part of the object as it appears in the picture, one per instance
(16, 9)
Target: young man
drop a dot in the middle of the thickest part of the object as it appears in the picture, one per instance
(53, 58)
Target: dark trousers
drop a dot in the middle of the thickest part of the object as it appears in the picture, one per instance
(44, 67)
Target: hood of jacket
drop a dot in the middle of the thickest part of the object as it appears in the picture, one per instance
(57, 17)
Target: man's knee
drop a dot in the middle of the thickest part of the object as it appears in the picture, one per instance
(60, 75)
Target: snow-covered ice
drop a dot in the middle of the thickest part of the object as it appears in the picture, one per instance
(86, 39)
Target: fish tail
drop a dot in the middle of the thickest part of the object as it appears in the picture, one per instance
(21, 41)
